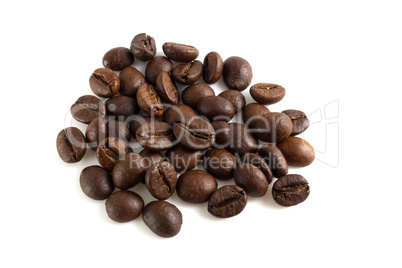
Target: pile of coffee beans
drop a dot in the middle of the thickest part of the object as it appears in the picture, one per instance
(180, 131)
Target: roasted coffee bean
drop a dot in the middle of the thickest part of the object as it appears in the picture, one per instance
(183, 158)
(180, 52)
(275, 159)
(196, 134)
(110, 150)
(298, 152)
(213, 67)
(124, 206)
(235, 97)
(219, 163)
(252, 111)
(241, 140)
(87, 108)
(130, 171)
(118, 58)
(227, 201)
(215, 108)
(138, 121)
(260, 163)
(290, 190)
(163, 218)
(104, 82)
(143, 47)
(166, 88)
(96, 182)
(251, 179)
(96, 132)
(266, 93)
(196, 186)
(187, 73)
(222, 133)
(71, 145)
(155, 66)
(118, 129)
(161, 180)
(192, 94)
(272, 127)
(151, 157)
(299, 120)
(149, 101)
(237, 73)
(156, 136)
(130, 80)
(121, 107)
(177, 113)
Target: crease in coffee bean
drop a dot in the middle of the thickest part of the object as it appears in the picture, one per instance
(70, 145)
(165, 182)
(298, 188)
(109, 151)
(196, 134)
(185, 75)
(102, 79)
(295, 117)
(89, 106)
(237, 196)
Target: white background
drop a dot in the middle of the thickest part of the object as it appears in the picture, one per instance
(346, 56)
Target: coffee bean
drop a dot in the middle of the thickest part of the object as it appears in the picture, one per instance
(118, 58)
(87, 108)
(192, 94)
(130, 80)
(183, 158)
(71, 145)
(178, 112)
(166, 88)
(252, 111)
(118, 129)
(161, 180)
(121, 107)
(124, 206)
(151, 157)
(143, 47)
(272, 127)
(180, 52)
(110, 150)
(275, 159)
(219, 163)
(163, 218)
(237, 73)
(227, 201)
(215, 108)
(149, 101)
(187, 73)
(104, 82)
(130, 171)
(138, 121)
(156, 136)
(260, 163)
(298, 152)
(251, 179)
(155, 66)
(196, 186)
(222, 133)
(266, 93)
(213, 67)
(96, 182)
(241, 140)
(235, 97)
(299, 120)
(96, 132)
(290, 190)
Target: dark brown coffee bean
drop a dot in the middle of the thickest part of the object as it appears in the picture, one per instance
(130, 80)
(96, 182)
(219, 163)
(156, 136)
(163, 218)
(143, 47)
(96, 132)
(187, 73)
(118, 129)
(183, 158)
(299, 120)
(290, 190)
(130, 171)
(118, 58)
(166, 88)
(124, 206)
(241, 140)
(138, 121)
(215, 108)
(87, 108)
(178, 113)
(235, 97)
(192, 94)
(104, 82)
(161, 180)
(213, 67)
(251, 179)
(266, 93)
(121, 107)
(149, 101)
(180, 52)
(272, 127)
(71, 145)
(260, 163)
(237, 73)
(227, 201)
(298, 152)
(222, 133)
(110, 150)
(196, 186)
(155, 66)
(252, 111)
(275, 159)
